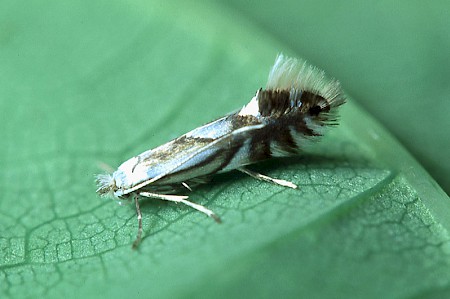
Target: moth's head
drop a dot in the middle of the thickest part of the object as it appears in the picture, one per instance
(106, 184)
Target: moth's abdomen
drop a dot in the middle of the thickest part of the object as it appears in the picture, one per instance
(296, 106)
(291, 118)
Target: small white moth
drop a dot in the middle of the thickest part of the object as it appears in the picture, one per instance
(296, 106)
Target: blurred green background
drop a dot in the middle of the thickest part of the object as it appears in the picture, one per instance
(90, 82)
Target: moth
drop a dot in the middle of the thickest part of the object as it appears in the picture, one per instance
(296, 107)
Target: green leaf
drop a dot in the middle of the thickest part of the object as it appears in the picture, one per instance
(85, 83)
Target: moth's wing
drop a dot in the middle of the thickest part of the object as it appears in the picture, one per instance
(199, 153)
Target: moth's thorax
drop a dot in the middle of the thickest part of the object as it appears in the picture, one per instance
(129, 174)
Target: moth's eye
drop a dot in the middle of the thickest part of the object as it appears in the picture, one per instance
(315, 110)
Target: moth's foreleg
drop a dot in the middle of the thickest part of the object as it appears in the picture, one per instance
(265, 178)
(185, 185)
(182, 199)
(139, 217)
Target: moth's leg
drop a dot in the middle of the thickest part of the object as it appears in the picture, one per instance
(182, 199)
(185, 185)
(265, 178)
(139, 217)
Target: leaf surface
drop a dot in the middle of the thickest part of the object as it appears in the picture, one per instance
(86, 83)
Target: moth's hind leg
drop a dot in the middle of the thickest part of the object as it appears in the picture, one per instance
(182, 199)
(265, 178)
